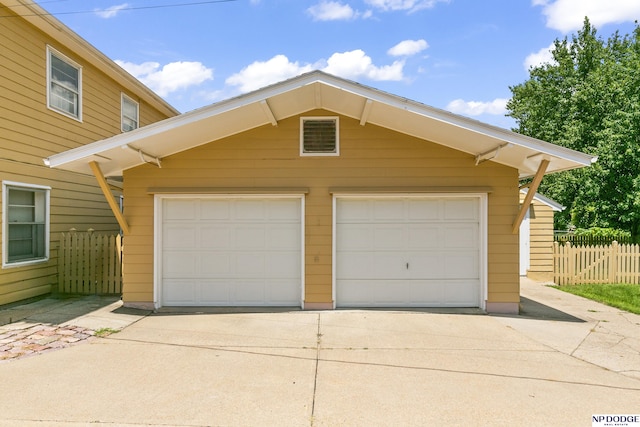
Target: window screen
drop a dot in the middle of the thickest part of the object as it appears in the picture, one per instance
(25, 224)
(64, 85)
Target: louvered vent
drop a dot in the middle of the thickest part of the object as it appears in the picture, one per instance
(319, 136)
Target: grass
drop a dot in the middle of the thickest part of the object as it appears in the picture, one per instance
(622, 296)
(105, 332)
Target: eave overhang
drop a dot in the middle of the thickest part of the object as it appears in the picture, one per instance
(311, 91)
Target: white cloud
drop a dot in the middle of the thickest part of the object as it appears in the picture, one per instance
(171, 77)
(263, 73)
(475, 108)
(540, 57)
(408, 47)
(351, 65)
(356, 63)
(112, 11)
(409, 5)
(331, 11)
(568, 15)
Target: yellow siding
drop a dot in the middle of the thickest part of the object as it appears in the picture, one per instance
(370, 157)
(29, 132)
(541, 248)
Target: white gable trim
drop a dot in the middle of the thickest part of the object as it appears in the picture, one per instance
(318, 90)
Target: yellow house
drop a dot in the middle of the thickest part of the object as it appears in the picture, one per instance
(318, 192)
(57, 93)
(536, 237)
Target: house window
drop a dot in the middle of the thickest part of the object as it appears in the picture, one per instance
(319, 136)
(25, 219)
(129, 114)
(64, 80)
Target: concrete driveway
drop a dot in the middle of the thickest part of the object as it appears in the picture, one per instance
(339, 368)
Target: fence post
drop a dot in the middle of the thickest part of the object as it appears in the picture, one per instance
(571, 263)
(556, 263)
(613, 263)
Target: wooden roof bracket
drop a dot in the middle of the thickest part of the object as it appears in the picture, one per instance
(143, 156)
(268, 112)
(104, 186)
(533, 187)
(366, 111)
(481, 158)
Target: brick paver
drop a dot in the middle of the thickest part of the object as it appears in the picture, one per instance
(38, 338)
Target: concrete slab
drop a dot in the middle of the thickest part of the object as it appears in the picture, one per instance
(560, 362)
(593, 332)
(364, 394)
(284, 330)
(126, 382)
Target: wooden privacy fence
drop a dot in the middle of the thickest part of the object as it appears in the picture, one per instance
(614, 263)
(90, 264)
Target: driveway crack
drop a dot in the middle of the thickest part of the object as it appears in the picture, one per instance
(315, 378)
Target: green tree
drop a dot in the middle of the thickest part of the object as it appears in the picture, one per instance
(588, 99)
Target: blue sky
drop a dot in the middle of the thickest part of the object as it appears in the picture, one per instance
(458, 55)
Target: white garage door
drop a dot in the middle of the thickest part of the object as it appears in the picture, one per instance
(231, 251)
(408, 251)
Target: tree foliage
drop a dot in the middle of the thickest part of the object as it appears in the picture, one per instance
(588, 99)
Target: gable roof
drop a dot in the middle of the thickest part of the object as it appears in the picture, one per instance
(52, 27)
(319, 90)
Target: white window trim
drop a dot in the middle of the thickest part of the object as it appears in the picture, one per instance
(52, 51)
(5, 230)
(125, 98)
(305, 154)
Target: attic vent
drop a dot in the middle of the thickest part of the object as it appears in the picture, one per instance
(319, 136)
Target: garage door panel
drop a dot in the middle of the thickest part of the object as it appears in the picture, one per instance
(354, 237)
(423, 237)
(215, 264)
(212, 292)
(354, 265)
(461, 293)
(424, 210)
(248, 292)
(425, 265)
(249, 237)
(283, 211)
(388, 237)
(351, 211)
(461, 236)
(225, 251)
(179, 264)
(389, 265)
(279, 292)
(427, 292)
(406, 251)
(280, 265)
(283, 236)
(461, 266)
(179, 210)
(249, 264)
(179, 291)
(214, 237)
(216, 210)
(180, 236)
(462, 209)
(249, 210)
(386, 211)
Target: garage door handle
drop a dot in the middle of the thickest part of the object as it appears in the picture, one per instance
(407, 266)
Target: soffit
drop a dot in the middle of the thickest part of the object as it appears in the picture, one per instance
(318, 90)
